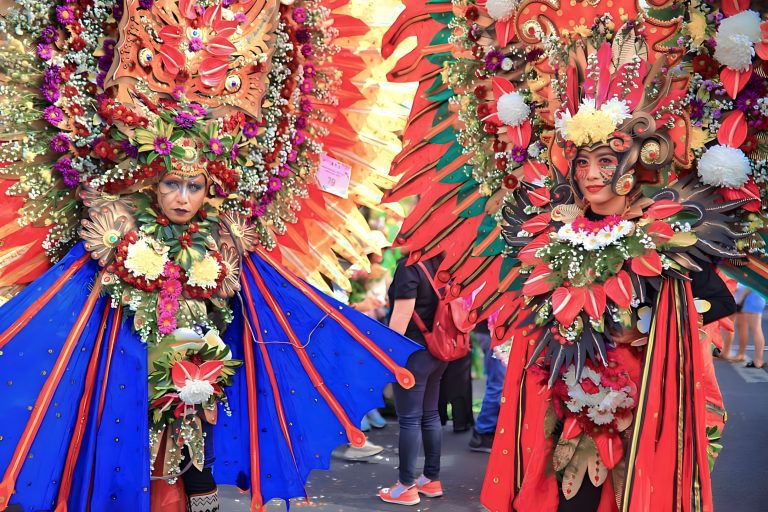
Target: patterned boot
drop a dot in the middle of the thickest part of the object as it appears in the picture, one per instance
(208, 502)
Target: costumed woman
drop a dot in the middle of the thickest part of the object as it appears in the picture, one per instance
(572, 177)
(155, 151)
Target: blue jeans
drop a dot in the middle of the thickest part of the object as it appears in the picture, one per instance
(494, 385)
(418, 417)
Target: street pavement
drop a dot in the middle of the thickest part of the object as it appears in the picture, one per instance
(740, 478)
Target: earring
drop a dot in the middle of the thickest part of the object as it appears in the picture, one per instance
(624, 184)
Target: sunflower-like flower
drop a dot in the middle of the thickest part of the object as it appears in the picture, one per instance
(144, 260)
(231, 261)
(103, 232)
(243, 234)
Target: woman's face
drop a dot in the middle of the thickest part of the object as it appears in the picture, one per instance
(594, 169)
(180, 198)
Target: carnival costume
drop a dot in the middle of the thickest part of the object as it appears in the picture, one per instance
(510, 93)
(182, 162)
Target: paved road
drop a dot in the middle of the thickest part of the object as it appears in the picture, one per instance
(740, 477)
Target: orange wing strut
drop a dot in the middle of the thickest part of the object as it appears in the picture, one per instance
(356, 437)
(82, 418)
(46, 395)
(35, 308)
(403, 376)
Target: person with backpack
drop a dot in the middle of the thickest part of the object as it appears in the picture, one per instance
(415, 302)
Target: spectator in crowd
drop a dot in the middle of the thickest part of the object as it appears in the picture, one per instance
(748, 321)
(411, 292)
(485, 426)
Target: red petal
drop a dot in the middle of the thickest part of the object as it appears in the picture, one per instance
(649, 264)
(567, 303)
(212, 14)
(501, 86)
(619, 289)
(183, 370)
(505, 31)
(660, 232)
(527, 254)
(225, 28)
(761, 49)
(537, 224)
(663, 209)
(534, 170)
(172, 58)
(538, 283)
(595, 301)
(733, 131)
(210, 370)
(731, 7)
(539, 196)
(734, 80)
(170, 34)
(520, 135)
(213, 70)
(187, 8)
(747, 191)
(610, 448)
(571, 428)
(493, 118)
(220, 46)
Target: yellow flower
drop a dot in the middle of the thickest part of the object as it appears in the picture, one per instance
(143, 260)
(582, 30)
(589, 127)
(697, 27)
(699, 137)
(203, 273)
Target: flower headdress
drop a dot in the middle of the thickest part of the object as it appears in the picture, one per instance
(616, 93)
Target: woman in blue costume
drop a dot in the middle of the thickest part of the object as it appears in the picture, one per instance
(74, 397)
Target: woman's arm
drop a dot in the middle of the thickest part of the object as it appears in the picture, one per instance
(402, 311)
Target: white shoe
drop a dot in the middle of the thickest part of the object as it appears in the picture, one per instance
(367, 450)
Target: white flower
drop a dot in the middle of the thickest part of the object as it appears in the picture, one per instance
(143, 260)
(724, 166)
(735, 52)
(195, 391)
(501, 9)
(735, 40)
(561, 119)
(606, 237)
(587, 105)
(617, 109)
(204, 273)
(566, 232)
(506, 64)
(625, 227)
(512, 109)
(591, 242)
(745, 23)
(600, 416)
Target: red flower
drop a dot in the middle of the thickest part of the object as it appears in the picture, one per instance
(203, 214)
(750, 144)
(705, 66)
(185, 241)
(69, 91)
(105, 150)
(194, 228)
(510, 182)
(76, 110)
(501, 163)
(163, 220)
(472, 13)
(481, 92)
(78, 43)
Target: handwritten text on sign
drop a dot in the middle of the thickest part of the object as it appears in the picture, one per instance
(333, 176)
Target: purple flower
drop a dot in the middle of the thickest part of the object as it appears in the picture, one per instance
(69, 173)
(240, 18)
(747, 101)
(301, 122)
(299, 138)
(117, 10)
(306, 86)
(306, 105)
(697, 109)
(227, 3)
(292, 156)
(105, 61)
(518, 153)
(197, 109)
(493, 60)
(303, 35)
(60, 143)
(299, 15)
(185, 120)
(100, 79)
(65, 15)
(199, 9)
(178, 92)
(108, 45)
(146, 4)
(195, 44)
(52, 75)
(50, 92)
(44, 51)
(215, 146)
(309, 70)
(259, 211)
(284, 170)
(250, 130)
(307, 50)
(163, 146)
(716, 113)
(48, 35)
(129, 149)
(233, 152)
(274, 184)
(53, 115)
